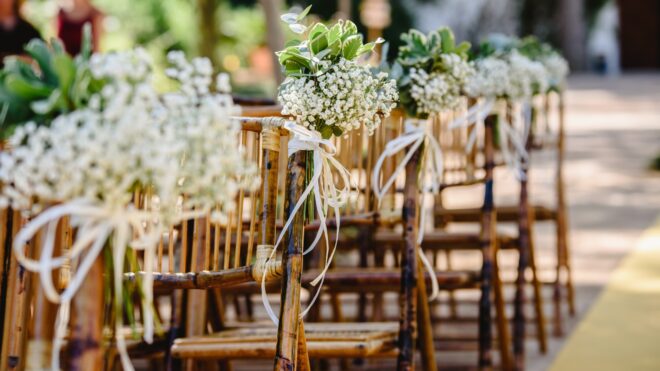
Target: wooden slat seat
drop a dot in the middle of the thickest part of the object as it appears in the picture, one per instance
(331, 340)
(504, 214)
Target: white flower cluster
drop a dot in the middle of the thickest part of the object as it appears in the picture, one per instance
(528, 77)
(344, 97)
(512, 75)
(491, 78)
(182, 143)
(439, 91)
(213, 168)
(557, 68)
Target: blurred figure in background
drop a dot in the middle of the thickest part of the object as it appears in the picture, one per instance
(15, 32)
(71, 18)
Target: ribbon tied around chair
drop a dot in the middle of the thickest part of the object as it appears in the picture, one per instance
(326, 196)
(416, 133)
(96, 224)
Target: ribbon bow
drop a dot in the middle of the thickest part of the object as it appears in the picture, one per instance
(515, 159)
(414, 136)
(95, 224)
(507, 132)
(326, 195)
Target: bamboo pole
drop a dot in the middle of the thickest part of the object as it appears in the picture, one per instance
(86, 333)
(408, 291)
(490, 246)
(292, 261)
(15, 316)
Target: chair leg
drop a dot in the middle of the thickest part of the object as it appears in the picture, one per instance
(424, 324)
(16, 314)
(292, 262)
(302, 362)
(519, 301)
(503, 336)
(85, 342)
(562, 242)
(541, 335)
(557, 290)
(408, 295)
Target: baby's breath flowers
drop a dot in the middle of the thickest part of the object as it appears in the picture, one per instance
(179, 143)
(180, 148)
(557, 68)
(343, 98)
(326, 89)
(433, 72)
(504, 71)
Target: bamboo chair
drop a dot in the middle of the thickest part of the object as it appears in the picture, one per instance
(526, 215)
(377, 237)
(324, 340)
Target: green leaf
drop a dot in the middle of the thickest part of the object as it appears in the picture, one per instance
(304, 13)
(317, 38)
(463, 49)
(290, 43)
(350, 46)
(366, 48)
(66, 70)
(295, 56)
(57, 46)
(25, 90)
(334, 34)
(46, 106)
(86, 45)
(40, 52)
(350, 29)
(448, 41)
(335, 48)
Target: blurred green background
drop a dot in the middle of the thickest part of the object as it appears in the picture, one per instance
(233, 33)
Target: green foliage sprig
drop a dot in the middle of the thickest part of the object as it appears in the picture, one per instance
(56, 83)
(320, 44)
(423, 52)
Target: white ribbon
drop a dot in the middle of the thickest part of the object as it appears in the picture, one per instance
(95, 225)
(414, 136)
(326, 195)
(475, 114)
(507, 133)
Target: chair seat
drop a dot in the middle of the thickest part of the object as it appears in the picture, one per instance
(331, 340)
(440, 240)
(504, 214)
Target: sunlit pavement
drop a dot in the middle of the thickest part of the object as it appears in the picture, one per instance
(613, 128)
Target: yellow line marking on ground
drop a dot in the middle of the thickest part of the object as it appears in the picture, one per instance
(622, 329)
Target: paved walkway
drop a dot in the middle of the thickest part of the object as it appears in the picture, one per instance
(613, 128)
(621, 331)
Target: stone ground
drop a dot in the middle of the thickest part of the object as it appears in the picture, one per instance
(613, 130)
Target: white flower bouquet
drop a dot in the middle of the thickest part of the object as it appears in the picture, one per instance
(516, 69)
(180, 148)
(326, 88)
(431, 71)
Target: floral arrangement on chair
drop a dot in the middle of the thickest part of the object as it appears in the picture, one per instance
(326, 88)
(327, 92)
(431, 71)
(86, 160)
(505, 70)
